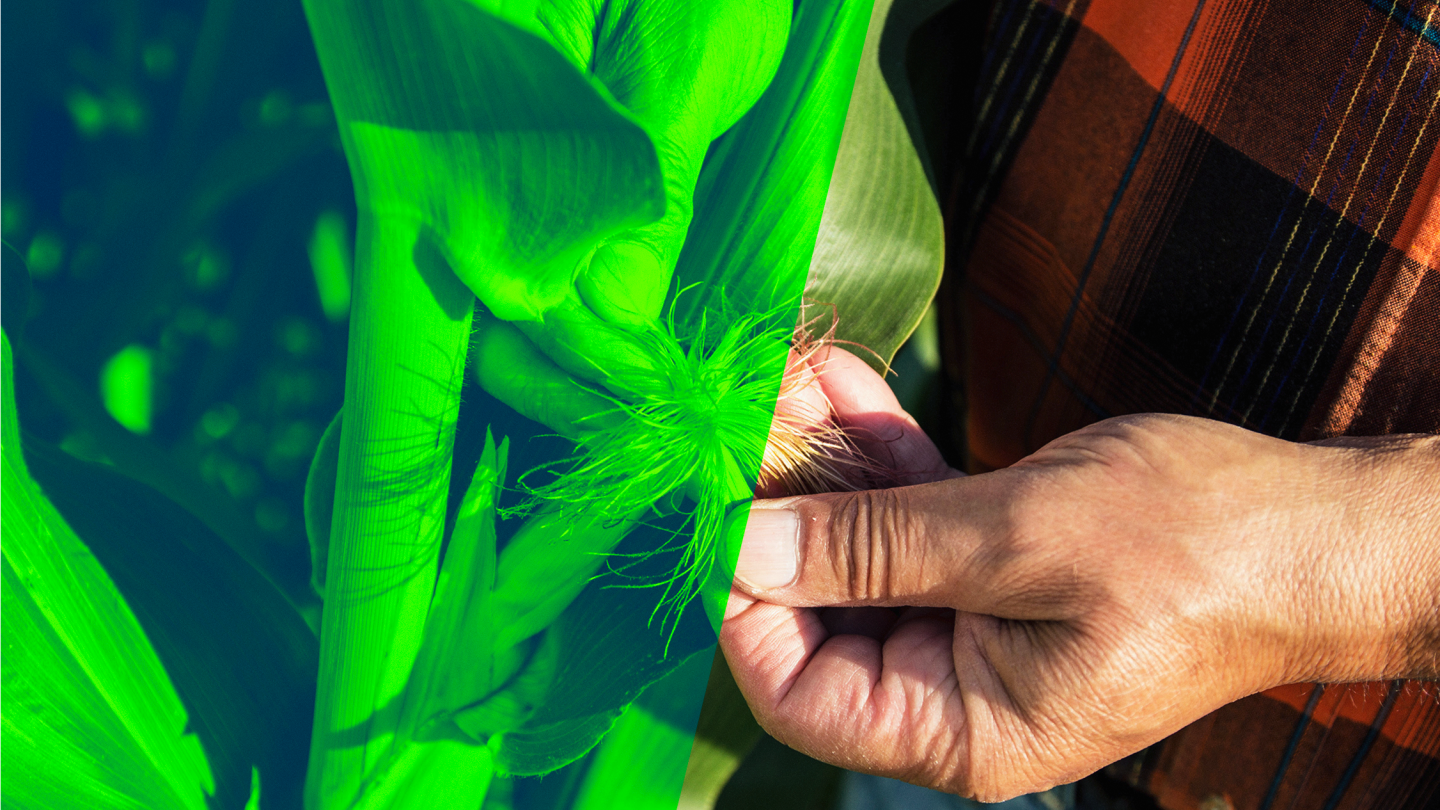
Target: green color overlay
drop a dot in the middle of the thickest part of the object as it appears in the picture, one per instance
(581, 240)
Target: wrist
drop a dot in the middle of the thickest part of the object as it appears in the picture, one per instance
(1367, 599)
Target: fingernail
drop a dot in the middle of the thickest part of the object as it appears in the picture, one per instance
(770, 552)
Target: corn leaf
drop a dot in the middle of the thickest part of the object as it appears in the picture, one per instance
(642, 761)
(462, 117)
(544, 567)
(881, 245)
(91, 720)
(640, 765)
(320, 500)
(760, 195)
(725, 733)
(240, 656)
(543, 748)
(608, 651)
(456, 662)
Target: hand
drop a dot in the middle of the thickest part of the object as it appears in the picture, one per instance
(1007, 632)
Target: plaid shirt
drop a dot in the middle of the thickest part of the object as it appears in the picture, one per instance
(1226, 208)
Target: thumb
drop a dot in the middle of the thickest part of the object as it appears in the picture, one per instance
(625, 282)
(918, 546)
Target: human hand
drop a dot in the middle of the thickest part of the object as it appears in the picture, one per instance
(1007, 632)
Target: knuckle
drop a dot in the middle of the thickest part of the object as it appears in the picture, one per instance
(871, 539)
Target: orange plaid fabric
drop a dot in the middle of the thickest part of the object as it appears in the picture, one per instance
(1225, 208)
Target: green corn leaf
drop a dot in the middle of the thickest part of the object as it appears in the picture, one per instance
(640, 764)
(881, 246)
(91, 720)
(725, 733)
(456, 663)
(320, 500)
(523, 676)
(545, 567)
(240, 656)
(759, 198)
(608, 651)
(642, 761)
(542, 748)
(432, 774)
(459, 116)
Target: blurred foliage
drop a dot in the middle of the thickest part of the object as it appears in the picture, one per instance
(169, 171)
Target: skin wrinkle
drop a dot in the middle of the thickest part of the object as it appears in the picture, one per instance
(901, 652)
(772, 640)
(881, 567)
(1146, 550)
(981, 780)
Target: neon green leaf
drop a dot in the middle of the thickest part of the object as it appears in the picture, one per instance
(238, 653)
(466, 121)
(253, 803)
(761, 193)
(91, 720)
(320, 500)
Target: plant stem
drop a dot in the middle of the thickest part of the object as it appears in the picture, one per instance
(409, 330)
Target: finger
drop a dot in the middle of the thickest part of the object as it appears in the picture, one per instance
(588, 347)
(626, 281)
(945, 544)
(511, 369)
(867, 408)
(889, 705)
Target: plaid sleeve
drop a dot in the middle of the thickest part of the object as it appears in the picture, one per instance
(1225, 208)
